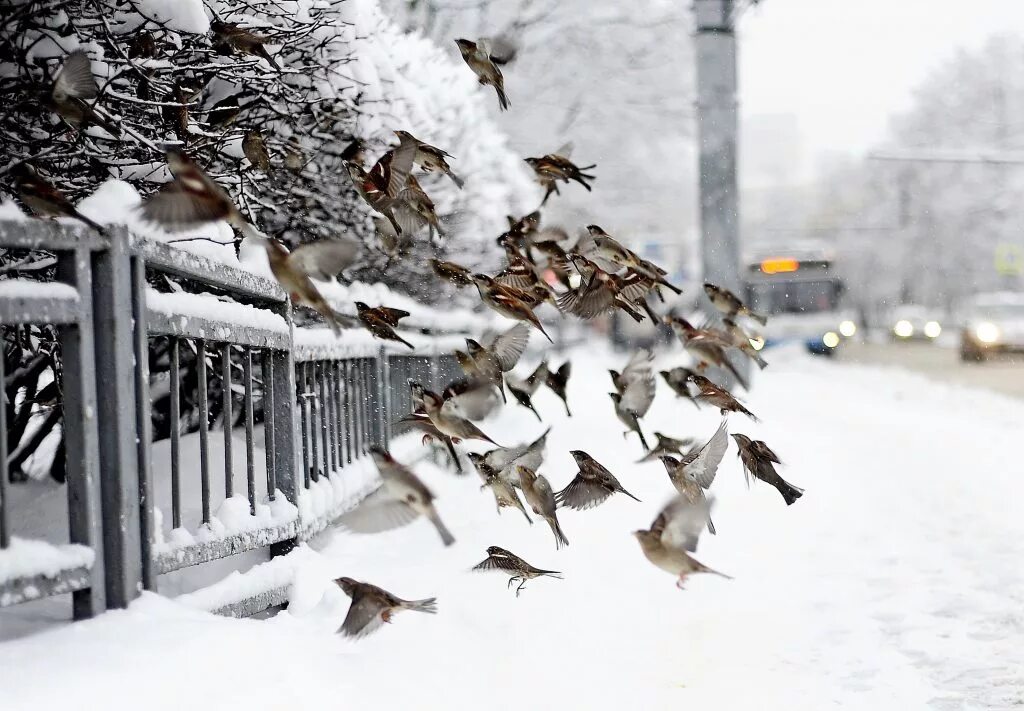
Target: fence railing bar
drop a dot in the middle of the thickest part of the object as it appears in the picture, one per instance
(143, 421)
(383, 397)
(229, 479)
(357, 392)
(5, 525)
(346, 388)
(250, 455)
(325, 415)
(369, 368)
(314, 420)
(332, 409)
(285, 430)
(267, 372)
(190, 326)
(204, 429)
(39, 310)
(339, 429)
(175, 367)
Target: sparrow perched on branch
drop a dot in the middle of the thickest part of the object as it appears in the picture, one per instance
(487, 72)
(400, 500)
(741, 340)
(223, 113)
(592, 484)
(707, 346)
(451, 272)
(230, 38)
(430, 158)
(511, 303)
(728, 304)
(504, 460)
(382, 322)
(499, 356)
(449, 422)
(541, 499)
(373, 606)
(43, 198)
(557, 382)
(717, 396)
(696, 471)
(254, 147)
(317, 260)
(504, 561)
(759, 461)
(74, 88)
(524, 390)
(677, 380)
(674, 532)
(554, 167)
(381, 188)
(666, 446)
(504, 493)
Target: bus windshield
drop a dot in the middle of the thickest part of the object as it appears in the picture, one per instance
(796, 296)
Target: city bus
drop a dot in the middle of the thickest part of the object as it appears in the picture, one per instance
(801, 293)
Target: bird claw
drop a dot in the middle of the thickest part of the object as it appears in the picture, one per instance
(681, 582)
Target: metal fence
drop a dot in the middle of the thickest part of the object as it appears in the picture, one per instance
(247, 382)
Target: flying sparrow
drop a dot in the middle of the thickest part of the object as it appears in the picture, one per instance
(554, 167)
(511, 303)
(728, 304)
(501, 559)
(498, 357)
(717, 396)
(74, 89)
(674, 532)
(635, 389)
(430, 158)
(414, 209)
(449, 422)
(696, 471)
(759, 461)
(666, 446)
(599, 291)
(487, 72)
(557, 382)
(707, 346)
(677, 380)
(420, 421)
(541, 499)
(524, 390)
(741, 339)
(382, 321)
(400, 500)
(381, 188)
(504, 493)
(230, 38)
(591, 485)
(451, 272)
(373, 606)
(504, 460)
(43, 198)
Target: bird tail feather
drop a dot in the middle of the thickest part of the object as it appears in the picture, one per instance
(429, 605)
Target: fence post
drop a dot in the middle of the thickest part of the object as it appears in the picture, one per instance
(113, 323)
(143, 420)
(384, 414)
(85, 525)
(285, 425)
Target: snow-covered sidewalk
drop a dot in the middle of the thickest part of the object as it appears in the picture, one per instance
(896, 582)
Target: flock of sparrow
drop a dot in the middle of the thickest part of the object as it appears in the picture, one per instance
(594, 276)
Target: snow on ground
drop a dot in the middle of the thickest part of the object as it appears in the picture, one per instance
(895, 583)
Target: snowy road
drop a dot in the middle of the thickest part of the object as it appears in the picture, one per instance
(895, 583)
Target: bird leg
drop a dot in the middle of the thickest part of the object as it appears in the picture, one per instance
(681, 582)
(522, 583)
(511, 580)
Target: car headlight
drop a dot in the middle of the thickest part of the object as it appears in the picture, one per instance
(932, 329)
(903, 328)
(847, 328)
(987, 332)
(830, 339)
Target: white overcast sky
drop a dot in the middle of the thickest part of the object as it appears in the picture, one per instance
(843, 67)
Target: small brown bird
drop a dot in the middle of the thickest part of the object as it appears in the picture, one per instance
(430, 158)
(676, 379)
(420, 421)
(414, 209)
(191, 199)
(317, 260)
(394, 245)
(674, 532)
(381, 188)
(600, 292)
(449, 422)
(719, 397)
(43, 198)
(635, 389)
(707, 346)
(504, 493)
(554, 167)
(223, 113)
(230, 38)
(524, 390)
(487, 72)
(74, 91)
(741, 339)
(541, 499)
(451, 272)
(382, 321)
(504, 460)
(373, 606)
(511, 303)
(254, 147)
(499, 356)
(696, 471)
(400, 500)
(729, 304)
(758, 461)
(666, 446)
(557, 382)
(501, 559)
(591, 485)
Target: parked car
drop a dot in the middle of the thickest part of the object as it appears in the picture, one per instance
(914, 323)
(992, 323)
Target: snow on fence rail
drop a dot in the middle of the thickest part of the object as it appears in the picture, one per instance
(293, 411)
